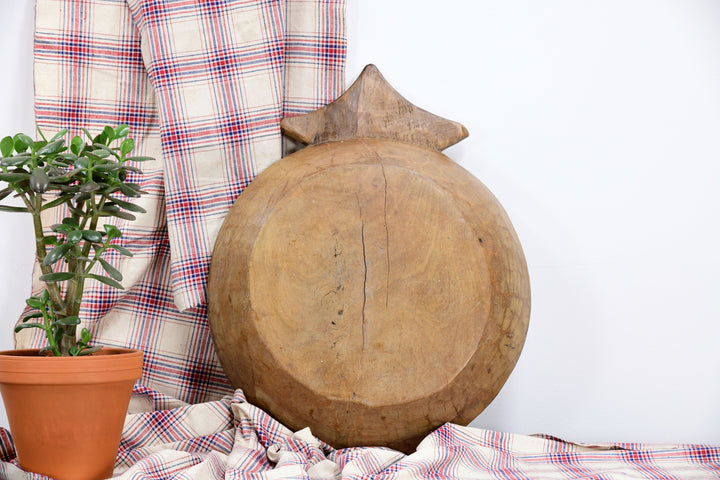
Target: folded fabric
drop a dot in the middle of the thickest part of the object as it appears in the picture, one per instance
(202, 86)
(231, 439)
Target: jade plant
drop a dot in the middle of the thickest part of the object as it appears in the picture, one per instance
(86, 178)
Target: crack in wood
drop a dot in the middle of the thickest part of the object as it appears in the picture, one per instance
(387, 238)
(365, 271)
(364, 299)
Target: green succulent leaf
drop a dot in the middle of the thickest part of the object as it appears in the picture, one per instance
(102, 146)
(140, 158)
(69, 321)
(52, 148)
(122, 131)
(92, 236)
(75, 236)
(49, 348)
(57, 276)
(35, 302)
(109, 133)
(23, 326)
(59, 134)
(89, 351)
(88, 134)
(37, 145)
(136, 187)
(54, 172)
(76, 211)
(61, 227)
(16, 161)
(8, 208)
(123, 215)
(75, 172)
(58, 201)
(82, 162)
(81, 197)
(101, 152)
(39, 180)
(106, 280)
(76, 145)
(112, 271)
(127, 146)
(58, 334)
(102, 138)
(128, 190)
(122, 250)
(130, 168)
(85, 335)
(22, 142)
(112, 231)
(31, 316)
(14, 177)
(108, 167)
(56, 254)
(109, 210)
(127, 205)
(89, 187)
(7, 146)
(71, 222)
(92, 157)
(67, 158)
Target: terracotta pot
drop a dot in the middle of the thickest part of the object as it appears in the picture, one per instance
(66, 413)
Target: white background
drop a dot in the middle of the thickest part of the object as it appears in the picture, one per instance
(597, 125)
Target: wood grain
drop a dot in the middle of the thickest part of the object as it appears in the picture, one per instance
(372, 108)
(369, 288)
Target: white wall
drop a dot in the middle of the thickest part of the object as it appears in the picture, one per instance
(16, 115)
(597, 125)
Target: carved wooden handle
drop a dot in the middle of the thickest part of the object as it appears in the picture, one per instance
(371, 108)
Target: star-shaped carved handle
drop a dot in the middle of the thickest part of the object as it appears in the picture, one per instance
(371, 108)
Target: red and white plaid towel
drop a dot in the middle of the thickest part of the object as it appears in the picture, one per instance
(203, 86)
(231, 439)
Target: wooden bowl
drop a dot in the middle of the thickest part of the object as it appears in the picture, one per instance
(367, 286)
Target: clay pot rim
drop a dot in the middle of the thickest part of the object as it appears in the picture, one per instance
(27, 353)
(107, 365)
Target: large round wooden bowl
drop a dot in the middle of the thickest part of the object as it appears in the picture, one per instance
(369, 288)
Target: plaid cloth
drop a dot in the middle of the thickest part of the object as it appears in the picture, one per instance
(203, 86)
(188, 77)
(231, 439)
(218, 69)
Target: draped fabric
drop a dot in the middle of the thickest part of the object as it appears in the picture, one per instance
(203, 86)
(231, 439)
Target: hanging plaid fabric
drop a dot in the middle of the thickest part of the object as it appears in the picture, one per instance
(218, 69)
(203, 86)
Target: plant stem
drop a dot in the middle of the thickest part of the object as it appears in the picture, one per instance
(35, 207)
(77, 284)
(68, 341)
(47, 316)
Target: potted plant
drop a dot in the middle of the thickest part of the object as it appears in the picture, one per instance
(69, 380)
